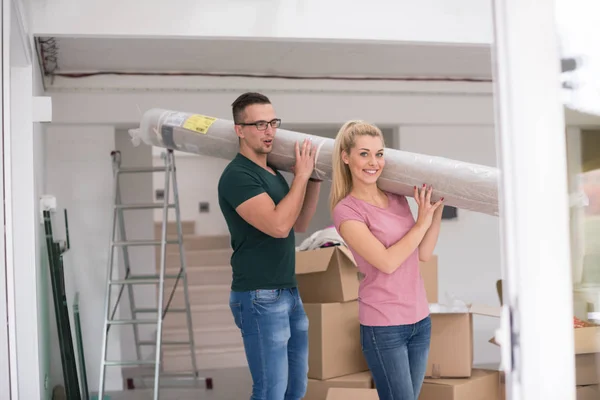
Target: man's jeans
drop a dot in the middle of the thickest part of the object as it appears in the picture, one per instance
(274, 327)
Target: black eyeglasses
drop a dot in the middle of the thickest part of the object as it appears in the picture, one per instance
(262, 125)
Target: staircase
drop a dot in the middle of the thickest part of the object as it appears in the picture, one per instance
(218, 341)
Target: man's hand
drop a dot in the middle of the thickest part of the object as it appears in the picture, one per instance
(305, 160)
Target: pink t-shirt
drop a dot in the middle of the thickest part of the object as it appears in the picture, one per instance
(386, 299)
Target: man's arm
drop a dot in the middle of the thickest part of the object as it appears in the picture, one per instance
(275, 220)
(260, 211)
(309, 206)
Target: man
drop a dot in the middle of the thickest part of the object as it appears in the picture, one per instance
(262, 212)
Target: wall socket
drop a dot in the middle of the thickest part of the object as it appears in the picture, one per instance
(203, 207)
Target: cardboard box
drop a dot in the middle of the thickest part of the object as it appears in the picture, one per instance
(334, 340)
(587, 355)
(327, 275)
(429, 273)
(482, 385)
(451, 348)
(588, 392)
(587, 369)
(330, 275)
(352, 394)
(317, 390)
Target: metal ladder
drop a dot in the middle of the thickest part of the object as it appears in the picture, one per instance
(130, 280)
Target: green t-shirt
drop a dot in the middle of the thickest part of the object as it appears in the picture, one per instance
(259, 261)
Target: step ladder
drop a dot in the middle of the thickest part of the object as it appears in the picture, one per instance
(130, 280)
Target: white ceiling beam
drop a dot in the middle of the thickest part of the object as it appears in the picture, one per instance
(125, 108)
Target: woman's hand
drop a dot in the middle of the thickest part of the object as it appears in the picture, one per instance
(426, 209)
(437, 214)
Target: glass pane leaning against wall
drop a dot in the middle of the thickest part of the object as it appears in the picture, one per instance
(578, 28)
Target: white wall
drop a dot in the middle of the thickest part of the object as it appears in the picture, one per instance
(24, 228)
(79, 174)
(26, 147)
(469, 246)
(137, 188)
(46, 325)
(461, 21)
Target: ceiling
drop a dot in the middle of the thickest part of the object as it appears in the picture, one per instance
(293, 59)
(288, 58)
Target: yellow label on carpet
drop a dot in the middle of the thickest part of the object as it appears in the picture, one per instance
(198, 123)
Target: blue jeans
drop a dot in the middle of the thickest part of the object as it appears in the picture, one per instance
(397, 357)
(274, 327)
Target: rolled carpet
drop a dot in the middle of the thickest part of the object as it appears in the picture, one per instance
(463, 185)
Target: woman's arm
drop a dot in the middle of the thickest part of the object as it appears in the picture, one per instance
(431, 237)
(357, 235)
(353, 229)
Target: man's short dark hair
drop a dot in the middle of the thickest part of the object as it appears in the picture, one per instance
(245, 100)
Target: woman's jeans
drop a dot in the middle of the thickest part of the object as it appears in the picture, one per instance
(397, 357)
(274, 327)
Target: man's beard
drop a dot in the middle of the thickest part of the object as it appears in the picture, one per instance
(262, 150)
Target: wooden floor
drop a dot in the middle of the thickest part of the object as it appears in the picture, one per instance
(228, 384)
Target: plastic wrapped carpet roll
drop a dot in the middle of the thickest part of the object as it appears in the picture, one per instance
(463, 185)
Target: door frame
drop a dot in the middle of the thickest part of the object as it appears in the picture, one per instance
(533, 193)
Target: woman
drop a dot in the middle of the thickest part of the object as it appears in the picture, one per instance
(387, 244)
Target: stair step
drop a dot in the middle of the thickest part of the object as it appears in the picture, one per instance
(179, 360)
(206, 275)
(206, 242)
(199, 294)
(197, 242)
(202, 315)
(208, 336)
(187, 228)
(195, 258)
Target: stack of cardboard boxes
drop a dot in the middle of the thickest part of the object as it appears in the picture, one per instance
(587, 362)
(450, 374)
(328, 282)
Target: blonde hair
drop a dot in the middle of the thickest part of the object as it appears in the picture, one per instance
(341, 183)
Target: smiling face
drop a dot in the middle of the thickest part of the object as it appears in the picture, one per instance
(365, 159)
(259, 141)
